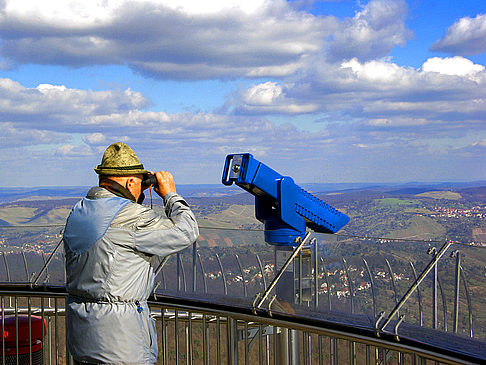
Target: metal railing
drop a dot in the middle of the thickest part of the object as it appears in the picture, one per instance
(353, 300)
(194, 332)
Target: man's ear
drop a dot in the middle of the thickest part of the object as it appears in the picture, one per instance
(130, 182)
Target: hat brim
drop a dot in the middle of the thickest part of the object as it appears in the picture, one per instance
(119, 172)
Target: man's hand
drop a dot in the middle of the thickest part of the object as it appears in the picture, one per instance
(165, 183)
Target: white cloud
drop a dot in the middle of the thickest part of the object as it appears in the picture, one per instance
(335, 69)
(444, 96)
(455, 66)
(103, 117)
(193, 39)
(371, 33)
(263, 94)
(46, 88)
(467, 36)
(163, 38)
(65, 149)
(94, 139)
(10, 136)
(94, 12)
(269, 97)
(182, 142)
(376, 71)
(49, 107)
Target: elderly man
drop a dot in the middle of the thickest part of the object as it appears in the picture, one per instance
(110, 242)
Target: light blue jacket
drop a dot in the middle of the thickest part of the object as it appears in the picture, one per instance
(110, 245)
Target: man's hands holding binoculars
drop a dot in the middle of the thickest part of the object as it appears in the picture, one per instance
(162, 181)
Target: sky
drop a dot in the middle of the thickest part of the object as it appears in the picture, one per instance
(322, 91)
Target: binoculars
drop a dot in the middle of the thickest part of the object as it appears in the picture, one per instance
(148, 180)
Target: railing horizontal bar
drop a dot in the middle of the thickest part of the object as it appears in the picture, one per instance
(34, 310)
(364, 336)
(318, 326)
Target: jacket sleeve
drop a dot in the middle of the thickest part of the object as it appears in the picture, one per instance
(157, 235)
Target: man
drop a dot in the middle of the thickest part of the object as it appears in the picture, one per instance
(110, 243)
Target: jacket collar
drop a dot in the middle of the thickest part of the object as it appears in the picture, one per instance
(117, 189)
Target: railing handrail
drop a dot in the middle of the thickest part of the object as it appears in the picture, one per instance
(318, 326)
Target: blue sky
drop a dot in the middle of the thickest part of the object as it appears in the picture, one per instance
(323, 91)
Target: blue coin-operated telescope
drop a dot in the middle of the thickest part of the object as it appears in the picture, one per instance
(284, 207)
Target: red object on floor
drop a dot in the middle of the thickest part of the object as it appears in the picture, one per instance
(26, 342)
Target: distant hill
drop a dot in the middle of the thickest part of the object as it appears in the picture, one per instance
(442, 194)
(474, 194)
(390, 210)
(357, 195)
(186, 190)
(13, 194)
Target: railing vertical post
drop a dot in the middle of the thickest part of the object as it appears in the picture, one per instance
(56, 329)
(247, 349)
(433, 251)
(176, 336)
(320, 354)
(287, 347)
(457, 285)
(43, 333)
(189, 339)
(275, 345)
(49, 334)
(352, 353)
(232, 340)
(68, 356)
(205, 340)
(16, 330)
(267, 343)
(294, 347)
(164, 330)
(260, 345)
(218, 340)
(305, 348)
(282, 352)
(334, 351)
(310, 348)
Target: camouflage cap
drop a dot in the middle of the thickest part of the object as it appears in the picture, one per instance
(120, 160)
